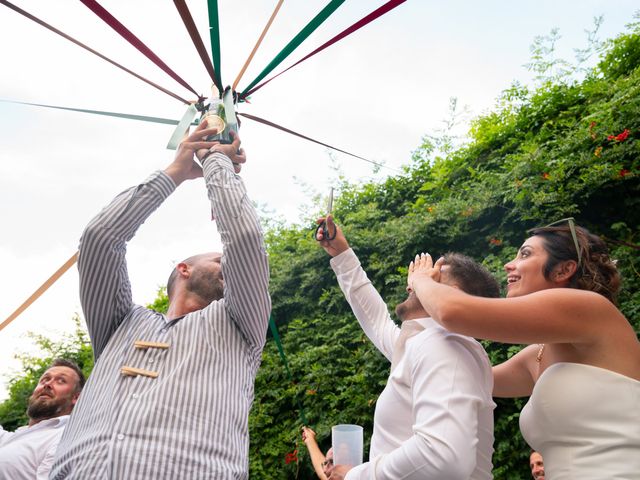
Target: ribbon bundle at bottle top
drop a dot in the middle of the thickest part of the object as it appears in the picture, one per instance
(221, 114)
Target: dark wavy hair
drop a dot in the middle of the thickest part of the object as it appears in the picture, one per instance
(595, 272)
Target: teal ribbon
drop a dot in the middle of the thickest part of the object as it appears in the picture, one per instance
(183, 126)
(283, 357)
(297, 40)
(144, 118)
(229, 108)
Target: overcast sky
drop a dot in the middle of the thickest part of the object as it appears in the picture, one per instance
(375, 94)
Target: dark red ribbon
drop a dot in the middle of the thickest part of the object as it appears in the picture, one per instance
(284, 129)
(110, 20)
(89, 49)
(356, 26)
(183, 10)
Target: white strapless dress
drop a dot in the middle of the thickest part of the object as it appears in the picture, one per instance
(585, 421)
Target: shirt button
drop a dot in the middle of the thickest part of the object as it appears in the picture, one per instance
(120, 436)
(150, 360)
(134, 396)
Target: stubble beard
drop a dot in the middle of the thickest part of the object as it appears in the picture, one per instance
(209, 287)
(410, 308)
(401, 310)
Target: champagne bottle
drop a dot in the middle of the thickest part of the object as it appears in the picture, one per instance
(221, 114)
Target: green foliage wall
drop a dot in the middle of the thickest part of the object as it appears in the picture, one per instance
(564, 149)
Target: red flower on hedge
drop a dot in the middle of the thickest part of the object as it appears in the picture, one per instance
(623, 136)
(495, 241)
(291, 457)
(546, 176)
(624, 172)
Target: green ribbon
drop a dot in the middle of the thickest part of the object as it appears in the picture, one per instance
(283, 357)
(297, 40)
(214, 34)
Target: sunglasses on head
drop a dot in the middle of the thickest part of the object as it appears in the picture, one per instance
(572, 228)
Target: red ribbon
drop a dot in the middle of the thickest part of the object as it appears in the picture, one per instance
(80, 44)
(183, 10)
(110, 20)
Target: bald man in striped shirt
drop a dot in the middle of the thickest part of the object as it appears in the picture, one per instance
(169, 396)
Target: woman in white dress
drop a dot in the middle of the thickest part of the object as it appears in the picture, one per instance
(582, 366)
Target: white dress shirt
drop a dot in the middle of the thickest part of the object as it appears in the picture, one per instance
(28, 453)
(434, 419)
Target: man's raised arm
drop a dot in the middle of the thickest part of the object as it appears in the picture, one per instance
(365, 301)
(245, 266)
(105, 291)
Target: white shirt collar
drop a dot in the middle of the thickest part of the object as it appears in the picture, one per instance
(55, 422)
(424, 322)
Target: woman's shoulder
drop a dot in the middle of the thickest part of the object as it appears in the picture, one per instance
(581, 298)
(552, 304)
(574, 316)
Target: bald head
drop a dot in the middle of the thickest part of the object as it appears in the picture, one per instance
(199, 275)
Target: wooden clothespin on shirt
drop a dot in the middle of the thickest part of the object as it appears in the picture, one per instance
(134, 372)
(143, 345)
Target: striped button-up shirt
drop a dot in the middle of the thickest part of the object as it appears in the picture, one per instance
(191, 421)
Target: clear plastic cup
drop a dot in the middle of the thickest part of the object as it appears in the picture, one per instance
(346, 441)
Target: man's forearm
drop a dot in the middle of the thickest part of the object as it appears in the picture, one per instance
(418, 458)
(365, 301)
(244, 261)
(105, 293)
(176, 174)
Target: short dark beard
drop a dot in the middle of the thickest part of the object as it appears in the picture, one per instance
(42, 408)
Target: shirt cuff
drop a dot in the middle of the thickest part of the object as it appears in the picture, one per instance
(345, 261)
(217, 158)
(359, 472)
(162, 183)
